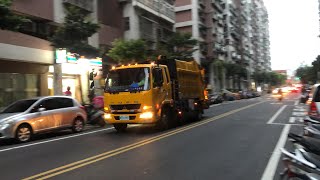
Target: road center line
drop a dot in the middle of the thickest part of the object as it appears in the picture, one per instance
(105, 155)
(271, 168)
(274, 117)
(52, 140)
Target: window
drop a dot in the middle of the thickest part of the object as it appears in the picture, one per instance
(54, 103)
(65, 102)
(166, 72)
(157, 77)
(316, 96)
(126, 23)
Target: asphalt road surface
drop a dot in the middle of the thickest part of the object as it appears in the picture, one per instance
(235, 140)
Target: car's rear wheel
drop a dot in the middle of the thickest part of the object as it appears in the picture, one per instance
(78, 125)
(24, 133)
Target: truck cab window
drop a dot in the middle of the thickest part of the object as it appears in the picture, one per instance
(131, 79)
(157, 77)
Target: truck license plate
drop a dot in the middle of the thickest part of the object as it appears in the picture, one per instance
(124, 118)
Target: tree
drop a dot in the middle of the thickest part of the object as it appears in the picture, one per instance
(181, 45)
(128, 51)
(8, 20)
(307, 74)
(75, 31)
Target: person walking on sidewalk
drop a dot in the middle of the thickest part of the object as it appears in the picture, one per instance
(68, 92)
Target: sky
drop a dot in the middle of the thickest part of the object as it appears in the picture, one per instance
(293, 28)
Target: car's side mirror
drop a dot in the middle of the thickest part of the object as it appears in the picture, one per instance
(41, 109)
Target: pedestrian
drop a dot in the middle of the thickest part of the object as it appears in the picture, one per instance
(68, 92)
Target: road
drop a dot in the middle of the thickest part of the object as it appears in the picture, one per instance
(235, 140)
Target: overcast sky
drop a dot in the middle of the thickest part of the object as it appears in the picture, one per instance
(294, 27)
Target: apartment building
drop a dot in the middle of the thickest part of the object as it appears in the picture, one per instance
(205, 21)
(26, 57)
(260, 36)
(151, 20)
(232, 31)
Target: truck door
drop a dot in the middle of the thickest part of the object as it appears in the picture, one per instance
(159, 85)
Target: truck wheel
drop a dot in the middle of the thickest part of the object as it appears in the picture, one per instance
(120, 127)
(163, 122)
(198, 115)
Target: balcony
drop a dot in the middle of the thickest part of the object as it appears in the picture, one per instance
(217, 4)
(159, 8)
(84, 4)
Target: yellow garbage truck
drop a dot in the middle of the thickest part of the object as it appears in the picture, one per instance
(159, 93)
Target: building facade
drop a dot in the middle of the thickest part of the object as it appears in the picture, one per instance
(151, 20)
(228, 31)
(26, 57)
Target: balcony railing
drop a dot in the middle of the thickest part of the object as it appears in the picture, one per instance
(84, 4)
(160, 7)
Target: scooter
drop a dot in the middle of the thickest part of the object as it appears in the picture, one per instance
(298, 165)
(95, 115)
(280, 98)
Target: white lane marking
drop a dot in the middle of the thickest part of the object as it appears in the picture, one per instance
(271, 168)
(283, 124)
(276, 114)
(296, 103)
(292, 119)
(301, 114)
(52, 140)
(300, 110)
(215, 105)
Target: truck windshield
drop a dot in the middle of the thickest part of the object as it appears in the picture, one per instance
(131, 79)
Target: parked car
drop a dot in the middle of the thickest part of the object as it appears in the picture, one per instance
(243, 94)
(215, 98)
(25, 118)
(314, 104)
(227, 95)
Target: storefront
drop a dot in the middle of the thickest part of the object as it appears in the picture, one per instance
(20, 80)
(76, 74)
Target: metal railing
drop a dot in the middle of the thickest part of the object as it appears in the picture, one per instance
(160, 6)
(84, 4)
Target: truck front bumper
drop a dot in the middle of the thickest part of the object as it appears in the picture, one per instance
(139, 118)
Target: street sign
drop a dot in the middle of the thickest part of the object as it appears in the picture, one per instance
(61, 56)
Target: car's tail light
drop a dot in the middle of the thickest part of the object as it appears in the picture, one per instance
(313, 111)
(82, 107)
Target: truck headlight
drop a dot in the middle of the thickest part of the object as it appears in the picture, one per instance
(146, 115)
(107, 116)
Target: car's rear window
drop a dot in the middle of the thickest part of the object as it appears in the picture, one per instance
(316, 95)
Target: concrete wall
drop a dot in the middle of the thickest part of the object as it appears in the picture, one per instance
(22, 47)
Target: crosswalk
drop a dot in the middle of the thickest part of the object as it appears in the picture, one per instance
(298, 114)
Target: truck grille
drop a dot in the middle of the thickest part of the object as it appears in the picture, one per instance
(125, 106)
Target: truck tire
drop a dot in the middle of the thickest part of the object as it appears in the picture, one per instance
(198, 115)
(120, 127)
(163, 122)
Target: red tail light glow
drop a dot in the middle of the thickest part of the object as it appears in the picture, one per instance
(313, 109)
